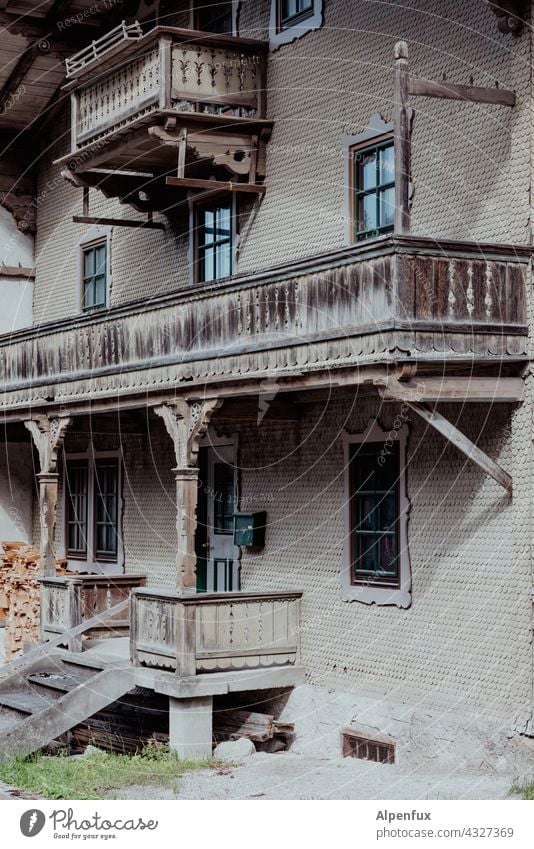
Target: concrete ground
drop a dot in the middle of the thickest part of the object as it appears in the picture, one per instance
(289, 776)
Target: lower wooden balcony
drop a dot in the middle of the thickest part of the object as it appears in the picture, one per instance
(214, 632)
(69, 601)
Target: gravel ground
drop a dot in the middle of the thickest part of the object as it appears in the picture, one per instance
(288, 776)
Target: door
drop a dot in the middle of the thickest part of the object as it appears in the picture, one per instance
(217, 556)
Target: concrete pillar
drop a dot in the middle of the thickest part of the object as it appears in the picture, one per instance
(191, 727)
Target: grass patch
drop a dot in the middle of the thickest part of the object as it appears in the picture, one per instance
(95, 776)
(526, 791)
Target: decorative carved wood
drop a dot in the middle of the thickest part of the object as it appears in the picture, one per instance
(186, 423)
(510, 15)
(48, 435)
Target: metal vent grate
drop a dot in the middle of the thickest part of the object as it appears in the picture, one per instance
(367, 746)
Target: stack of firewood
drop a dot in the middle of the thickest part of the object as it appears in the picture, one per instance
(20, 594)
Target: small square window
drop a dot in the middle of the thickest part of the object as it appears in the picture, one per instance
(373, 189)
(94, 274)
(214, 241)
(291, 12)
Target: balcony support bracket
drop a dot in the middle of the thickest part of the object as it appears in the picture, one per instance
(463, 444)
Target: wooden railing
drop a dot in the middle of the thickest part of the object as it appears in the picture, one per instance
(67, 602)
(167, 70)
(408, 293)
(214, 632)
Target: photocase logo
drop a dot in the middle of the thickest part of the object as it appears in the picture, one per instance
(32, 823)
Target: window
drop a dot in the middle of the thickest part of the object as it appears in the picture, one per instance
(214, 17)
(94, 276)
(291, 12)
(291, 19)
(214, 241)
(376, 568)
(92, 494)
(373, 189)
(375, 514)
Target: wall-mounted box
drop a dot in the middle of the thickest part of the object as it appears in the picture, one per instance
(249, 529)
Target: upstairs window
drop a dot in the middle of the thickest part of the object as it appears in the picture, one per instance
(214, 17)
(373, 189)
(214, 242)
(291, 12)
(94, 276)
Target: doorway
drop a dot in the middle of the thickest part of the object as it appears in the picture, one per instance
(217, 556)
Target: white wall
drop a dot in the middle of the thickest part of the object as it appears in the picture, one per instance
(16, 494)
(16, 293)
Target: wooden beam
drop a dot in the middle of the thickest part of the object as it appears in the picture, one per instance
(17, 271)
(474, 94)
(215, 185)
(402, 140)
(471, 389)
(118, 222)
(18, 73)
(463, 444)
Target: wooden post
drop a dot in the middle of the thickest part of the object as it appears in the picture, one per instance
(48, 435)
(186, 423)
(75, 615)
(402, 140)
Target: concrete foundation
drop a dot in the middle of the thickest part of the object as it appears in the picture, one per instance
(190, 727)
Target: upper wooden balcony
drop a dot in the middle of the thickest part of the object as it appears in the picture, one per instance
(308, 322)
(142, 104)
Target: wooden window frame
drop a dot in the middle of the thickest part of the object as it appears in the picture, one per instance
(371, 592)
(355, 492)
(295, 27)
(92, 238)
(196, 208)
(284, 24)
(92, 246)
(90, 559)
(381, 142)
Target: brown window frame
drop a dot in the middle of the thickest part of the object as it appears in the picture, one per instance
(389, 454)
(91, 460)
(287, 23)
(380, 141)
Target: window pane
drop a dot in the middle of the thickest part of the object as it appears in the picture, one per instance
(106, 508)
(214, 242)
(89, 295)
(214, 17)
(224, 502)
(388, 512)
(366, 170)
(386, 165)
(100, 264)
(76, 481)
(223, 261)
(387, 207)
(368, 213)
(88, 262)
(100, 291)
(208, 265)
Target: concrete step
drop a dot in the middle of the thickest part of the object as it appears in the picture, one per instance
(54, 681)
(25, 702)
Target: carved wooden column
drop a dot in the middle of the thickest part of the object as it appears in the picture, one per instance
(48, 435)
(186, 424)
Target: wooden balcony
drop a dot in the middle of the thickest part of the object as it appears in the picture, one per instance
(368, 305)
(67, 602)
(172, 102)
(215, 632)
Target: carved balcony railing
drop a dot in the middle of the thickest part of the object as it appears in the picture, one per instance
(67, 602)
(215, 632)
(372, 302)
(169, 71)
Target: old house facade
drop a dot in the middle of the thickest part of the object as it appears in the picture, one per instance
(274, 384)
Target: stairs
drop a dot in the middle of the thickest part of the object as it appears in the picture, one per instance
(45, 698)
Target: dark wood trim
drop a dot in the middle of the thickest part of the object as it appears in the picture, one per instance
(473, 94)
(215, 185)
(118, 222)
